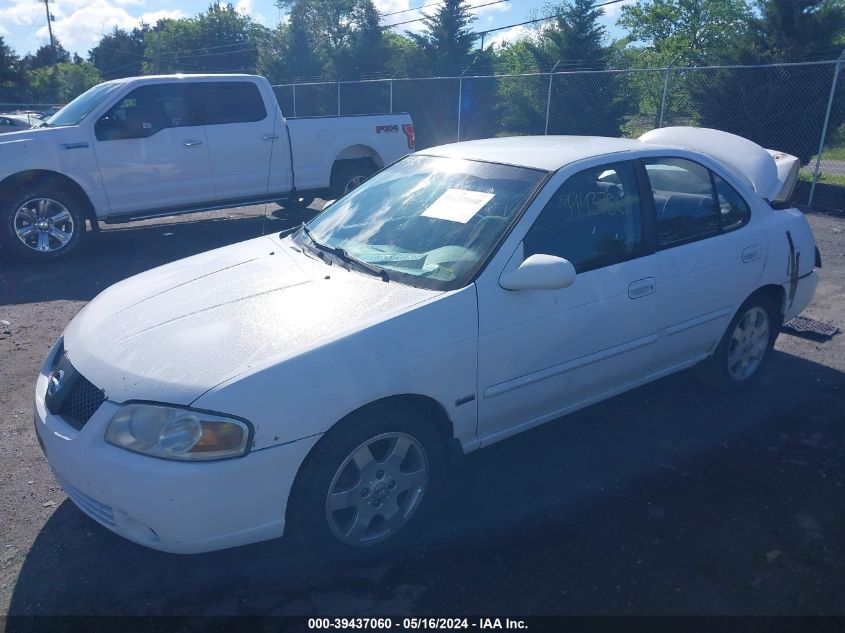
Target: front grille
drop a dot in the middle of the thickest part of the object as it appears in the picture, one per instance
(81, 403)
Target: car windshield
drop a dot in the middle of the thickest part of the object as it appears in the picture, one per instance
(429, 221)
(82, 106)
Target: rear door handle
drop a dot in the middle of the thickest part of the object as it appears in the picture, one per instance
(641, 287)
(269, 137)
(752, 253)
(191, 143)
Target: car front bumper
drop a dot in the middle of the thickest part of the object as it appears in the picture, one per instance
(179, 507)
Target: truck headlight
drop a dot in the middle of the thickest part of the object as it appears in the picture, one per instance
(177, 433)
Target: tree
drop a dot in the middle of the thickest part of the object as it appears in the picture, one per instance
(778, 106)
(120, 53)
(11, 76)
(47, 56)
(575, 37)
(688, 28)
(580, 103)
(219, 40)
(62, 82)
(345, 36)
(447, 41)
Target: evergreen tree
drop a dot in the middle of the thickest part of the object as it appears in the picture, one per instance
(575, 37)
(446, 44)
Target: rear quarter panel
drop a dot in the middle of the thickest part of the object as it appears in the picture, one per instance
(317, 142)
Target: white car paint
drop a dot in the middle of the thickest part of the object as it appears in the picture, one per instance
(262, 331)
(181, 169)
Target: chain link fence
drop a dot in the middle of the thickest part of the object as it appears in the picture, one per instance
(797, 108)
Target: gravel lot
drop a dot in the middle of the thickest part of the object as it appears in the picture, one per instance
(665, 500)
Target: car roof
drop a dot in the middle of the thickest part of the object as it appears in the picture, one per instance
(539, 152)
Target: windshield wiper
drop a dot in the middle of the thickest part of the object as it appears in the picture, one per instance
(342, 255)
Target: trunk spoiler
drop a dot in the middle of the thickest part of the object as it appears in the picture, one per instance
(771, 173)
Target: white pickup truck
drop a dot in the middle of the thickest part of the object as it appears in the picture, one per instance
(144, 147)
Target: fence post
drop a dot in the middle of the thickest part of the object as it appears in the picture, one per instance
(338, 98)
(293, 89)
(460, 99)
(391, 95)
(549, 95)
(665, 90)
(824, 127)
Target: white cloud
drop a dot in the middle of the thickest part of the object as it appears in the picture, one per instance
(244, 6)
(508, 35)
(81, 28)
(78, 24)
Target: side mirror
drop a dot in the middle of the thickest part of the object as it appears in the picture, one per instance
(539, 272)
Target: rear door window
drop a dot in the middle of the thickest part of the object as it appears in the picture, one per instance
(683, 200)
(230, 102)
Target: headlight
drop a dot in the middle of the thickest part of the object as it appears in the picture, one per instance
(175, 433)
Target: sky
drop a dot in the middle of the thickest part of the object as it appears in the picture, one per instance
(79, 24)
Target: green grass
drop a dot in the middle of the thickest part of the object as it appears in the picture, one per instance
(836, 152)
(830, 179)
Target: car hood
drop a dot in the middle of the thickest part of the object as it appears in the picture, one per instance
(174, 332)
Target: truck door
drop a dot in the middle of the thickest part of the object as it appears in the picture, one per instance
(241, 135)
(152, 152)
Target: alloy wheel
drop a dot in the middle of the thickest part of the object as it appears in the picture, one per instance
(377, 489)
(43, 224)
(749, 343)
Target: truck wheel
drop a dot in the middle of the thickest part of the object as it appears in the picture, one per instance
(348, 178)
(43, 223)
(366, 482)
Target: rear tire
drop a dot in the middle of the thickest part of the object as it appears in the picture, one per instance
(363, 487)
(745, 347)
(42, 223)
(348, 177)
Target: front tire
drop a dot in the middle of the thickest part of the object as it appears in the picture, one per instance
(43, 223)
(366, 483)
(745, 347)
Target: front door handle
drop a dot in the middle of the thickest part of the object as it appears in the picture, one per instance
(191, 143)
(269, 137)
(752, 253)
(641, 287)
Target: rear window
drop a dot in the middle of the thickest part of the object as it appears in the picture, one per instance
(231, 102)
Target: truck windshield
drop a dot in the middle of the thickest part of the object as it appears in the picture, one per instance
(429, 221)
(82, 106)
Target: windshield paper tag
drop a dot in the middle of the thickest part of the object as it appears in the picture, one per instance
(458, 205)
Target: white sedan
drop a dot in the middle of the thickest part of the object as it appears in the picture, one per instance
(319, 382)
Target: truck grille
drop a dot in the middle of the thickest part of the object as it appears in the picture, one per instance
(83, 400)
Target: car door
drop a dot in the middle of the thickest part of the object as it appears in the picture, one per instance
(710, 256)
(545, 352)
(241, 137)
(152, 152)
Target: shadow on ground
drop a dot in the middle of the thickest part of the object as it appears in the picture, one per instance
(133, 249)
(665, 500)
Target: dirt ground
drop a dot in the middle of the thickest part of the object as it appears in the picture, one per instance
(665, 500)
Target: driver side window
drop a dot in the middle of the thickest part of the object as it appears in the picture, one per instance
(145, 111)
(593, 220)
